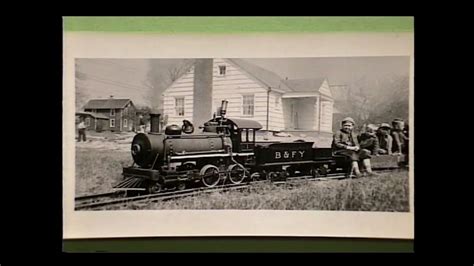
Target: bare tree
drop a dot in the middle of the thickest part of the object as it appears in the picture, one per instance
(177, 71)
(161, 75)
(377, 100)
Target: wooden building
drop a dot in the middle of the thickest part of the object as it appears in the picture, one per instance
(294, 106)
(121, 113)
(93, 121)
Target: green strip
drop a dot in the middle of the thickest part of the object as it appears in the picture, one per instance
(238, 245)
(239, 24)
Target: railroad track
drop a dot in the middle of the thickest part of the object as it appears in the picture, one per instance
(107, 199)
(160, 196)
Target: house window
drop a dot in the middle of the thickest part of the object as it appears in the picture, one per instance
(125, 123)
(88, 121)
(179, 105)
(112, 122)
(112, 112)
(247, 104)
(222, 70)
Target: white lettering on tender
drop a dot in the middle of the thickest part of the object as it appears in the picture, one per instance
(288, 154)
(277, 155)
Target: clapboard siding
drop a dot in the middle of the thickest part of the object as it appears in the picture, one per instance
(182, 87)
(236, 83)
(232, 87)
(324, 89)
(326, 116)
(276, 111)
(316, 125)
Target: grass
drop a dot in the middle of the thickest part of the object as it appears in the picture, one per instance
(388, 193)
(98, 171)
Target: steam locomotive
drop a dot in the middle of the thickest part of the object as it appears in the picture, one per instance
(226, 151)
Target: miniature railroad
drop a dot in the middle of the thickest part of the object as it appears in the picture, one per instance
(95, 201)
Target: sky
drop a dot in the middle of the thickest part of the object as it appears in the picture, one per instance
(129, 78)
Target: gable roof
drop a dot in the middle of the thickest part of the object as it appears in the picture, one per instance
(305, 84)
(106, 103)
(266, 77)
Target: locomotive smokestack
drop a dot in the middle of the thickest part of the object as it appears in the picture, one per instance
(223, 109)
(155, 122)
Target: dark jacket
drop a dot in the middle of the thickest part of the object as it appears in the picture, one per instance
(399, 141)
(369, 142)
(342, 139)
(385, 142)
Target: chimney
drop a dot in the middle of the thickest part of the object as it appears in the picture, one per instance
(202, 100)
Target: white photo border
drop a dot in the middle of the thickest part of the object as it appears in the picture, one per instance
(155, 223)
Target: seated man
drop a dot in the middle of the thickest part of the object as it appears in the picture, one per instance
(345, 143)
(399, 138)
(406, 142)
(385, 140)
(369, 141)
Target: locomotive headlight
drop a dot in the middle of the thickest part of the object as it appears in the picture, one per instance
(135, 149)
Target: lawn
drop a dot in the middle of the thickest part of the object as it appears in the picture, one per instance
(387, 192)
(98, 170)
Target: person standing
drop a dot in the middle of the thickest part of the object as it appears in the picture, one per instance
(82, 130)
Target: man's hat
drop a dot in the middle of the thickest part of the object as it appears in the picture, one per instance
(348, 119)
(385, 125)
(372, 126)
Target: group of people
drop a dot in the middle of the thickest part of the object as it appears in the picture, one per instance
(373, 141)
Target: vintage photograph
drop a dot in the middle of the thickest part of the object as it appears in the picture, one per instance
(286, 133)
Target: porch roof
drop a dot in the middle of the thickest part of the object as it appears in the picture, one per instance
(94, 115)
(305, 95)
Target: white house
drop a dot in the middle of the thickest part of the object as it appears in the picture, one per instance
(295, 106)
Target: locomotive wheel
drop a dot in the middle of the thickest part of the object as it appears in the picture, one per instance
(314, 172)
(154, 188)
(271, 176)
(210, 175)
(236, 174)
(181, 186)
(255, 176)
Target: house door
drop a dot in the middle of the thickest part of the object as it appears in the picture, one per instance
(98, 124)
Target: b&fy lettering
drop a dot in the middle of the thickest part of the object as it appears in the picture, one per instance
(288, 154)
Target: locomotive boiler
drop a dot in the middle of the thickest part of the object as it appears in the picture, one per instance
(154, 149)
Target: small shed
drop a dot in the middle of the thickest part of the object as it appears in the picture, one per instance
(94, 121)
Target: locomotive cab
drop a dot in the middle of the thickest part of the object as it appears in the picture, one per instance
(241, 131)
